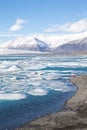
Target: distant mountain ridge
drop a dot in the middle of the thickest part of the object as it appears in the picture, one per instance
(31, 44)
(43, 43)
(73, 46)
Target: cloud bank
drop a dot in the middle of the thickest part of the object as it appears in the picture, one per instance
(75, 27)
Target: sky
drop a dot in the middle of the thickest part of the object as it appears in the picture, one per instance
(25, 17)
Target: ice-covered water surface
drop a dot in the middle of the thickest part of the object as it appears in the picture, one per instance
(31, 86)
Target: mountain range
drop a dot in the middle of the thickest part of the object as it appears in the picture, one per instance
(47, 43)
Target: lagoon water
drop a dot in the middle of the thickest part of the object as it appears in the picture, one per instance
(35, 85)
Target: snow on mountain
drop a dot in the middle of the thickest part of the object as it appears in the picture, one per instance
(73, 46)
(53, 41)
(46, 43)
(26, 43)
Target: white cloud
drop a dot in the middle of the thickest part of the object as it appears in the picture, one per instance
(76, 27)
(18, 25)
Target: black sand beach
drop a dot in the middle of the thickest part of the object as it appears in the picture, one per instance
(74, 117)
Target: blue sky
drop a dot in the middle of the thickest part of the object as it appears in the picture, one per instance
(23, 17)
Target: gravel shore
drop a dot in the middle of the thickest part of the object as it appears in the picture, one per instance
(73, 118)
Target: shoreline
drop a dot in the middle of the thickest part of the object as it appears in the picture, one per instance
(72, 118)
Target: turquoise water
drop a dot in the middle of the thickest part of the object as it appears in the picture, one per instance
(33, 86)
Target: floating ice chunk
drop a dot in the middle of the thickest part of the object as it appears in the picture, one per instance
(13, 78)
(13, 68)
(12, 96)
(38, 92)
(63, 89)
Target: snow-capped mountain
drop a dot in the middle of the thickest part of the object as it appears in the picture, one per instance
(48, 43)
(26, 43)
(73, 46)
